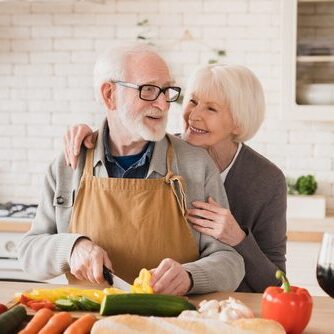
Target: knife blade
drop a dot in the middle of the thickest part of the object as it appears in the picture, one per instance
(115, 281)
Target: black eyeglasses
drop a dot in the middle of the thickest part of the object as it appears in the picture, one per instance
(151, 92)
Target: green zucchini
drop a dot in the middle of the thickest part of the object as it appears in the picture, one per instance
(12, 319)
(66, 305)
(145, 304)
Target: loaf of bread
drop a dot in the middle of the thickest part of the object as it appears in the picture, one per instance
(258, 325)
(133, 324)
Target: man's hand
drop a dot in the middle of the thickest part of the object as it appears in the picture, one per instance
(87, 260)
(211, 219)
(73, 139)
(170, 278)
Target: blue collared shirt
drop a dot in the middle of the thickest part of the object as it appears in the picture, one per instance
(137, 170)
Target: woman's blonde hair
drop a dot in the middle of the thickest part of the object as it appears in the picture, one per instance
(235, 86)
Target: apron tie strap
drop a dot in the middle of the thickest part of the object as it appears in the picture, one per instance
(178, 190)
(176, 182)
(168, 177)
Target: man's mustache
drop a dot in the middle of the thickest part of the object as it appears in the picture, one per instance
(155, 113)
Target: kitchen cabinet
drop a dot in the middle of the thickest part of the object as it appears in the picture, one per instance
(308, 60)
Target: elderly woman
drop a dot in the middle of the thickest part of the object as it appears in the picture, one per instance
(224, 107)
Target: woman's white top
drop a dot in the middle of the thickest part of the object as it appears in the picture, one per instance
(224, 173)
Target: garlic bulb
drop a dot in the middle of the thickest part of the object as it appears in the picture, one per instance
(226, 310)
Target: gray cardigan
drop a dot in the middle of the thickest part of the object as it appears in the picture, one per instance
(256, 191)
(45, 250)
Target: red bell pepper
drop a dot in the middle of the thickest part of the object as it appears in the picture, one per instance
(290, 306)
(36, 304)
(24, 299)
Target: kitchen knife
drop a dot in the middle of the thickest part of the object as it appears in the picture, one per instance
(115, 281)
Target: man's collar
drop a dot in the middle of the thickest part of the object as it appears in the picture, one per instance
(159, 156)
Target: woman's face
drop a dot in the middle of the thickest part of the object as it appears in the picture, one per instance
(207, 123)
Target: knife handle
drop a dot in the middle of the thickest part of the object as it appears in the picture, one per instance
(107, 274)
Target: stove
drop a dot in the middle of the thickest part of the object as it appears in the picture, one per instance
(10, 268)
(17, 210)
(13, 213)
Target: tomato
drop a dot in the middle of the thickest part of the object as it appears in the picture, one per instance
(3, 308)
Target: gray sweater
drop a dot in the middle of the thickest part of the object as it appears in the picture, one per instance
(45, 250)
(256, 191)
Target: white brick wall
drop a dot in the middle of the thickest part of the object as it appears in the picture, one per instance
(47, 52)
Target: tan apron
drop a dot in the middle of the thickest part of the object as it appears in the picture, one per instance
(139, 222)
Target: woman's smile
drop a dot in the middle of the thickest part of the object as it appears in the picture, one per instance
(197, 131)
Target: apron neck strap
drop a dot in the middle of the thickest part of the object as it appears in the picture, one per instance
(88, 169)
(170, 153)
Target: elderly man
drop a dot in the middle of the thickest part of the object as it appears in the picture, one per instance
(125, 205)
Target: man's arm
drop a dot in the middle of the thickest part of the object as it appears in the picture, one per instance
(45, 250)
(220, 267)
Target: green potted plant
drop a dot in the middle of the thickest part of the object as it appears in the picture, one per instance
(302, 201)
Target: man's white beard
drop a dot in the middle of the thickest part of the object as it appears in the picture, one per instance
(136, 123)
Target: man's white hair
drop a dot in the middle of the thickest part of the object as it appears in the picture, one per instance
(110, 65)
(234, 86)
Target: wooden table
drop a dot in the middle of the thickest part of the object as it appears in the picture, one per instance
(322, 320)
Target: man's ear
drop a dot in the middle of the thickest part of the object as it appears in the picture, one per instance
(108, 93)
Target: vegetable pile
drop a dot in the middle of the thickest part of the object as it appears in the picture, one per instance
(66, 299)
(75, 299)
(109, 301)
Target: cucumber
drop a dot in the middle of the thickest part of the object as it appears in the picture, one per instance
(145, 304)
(66, 305)
(88, 304)
(12, 319)
(76, 301)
